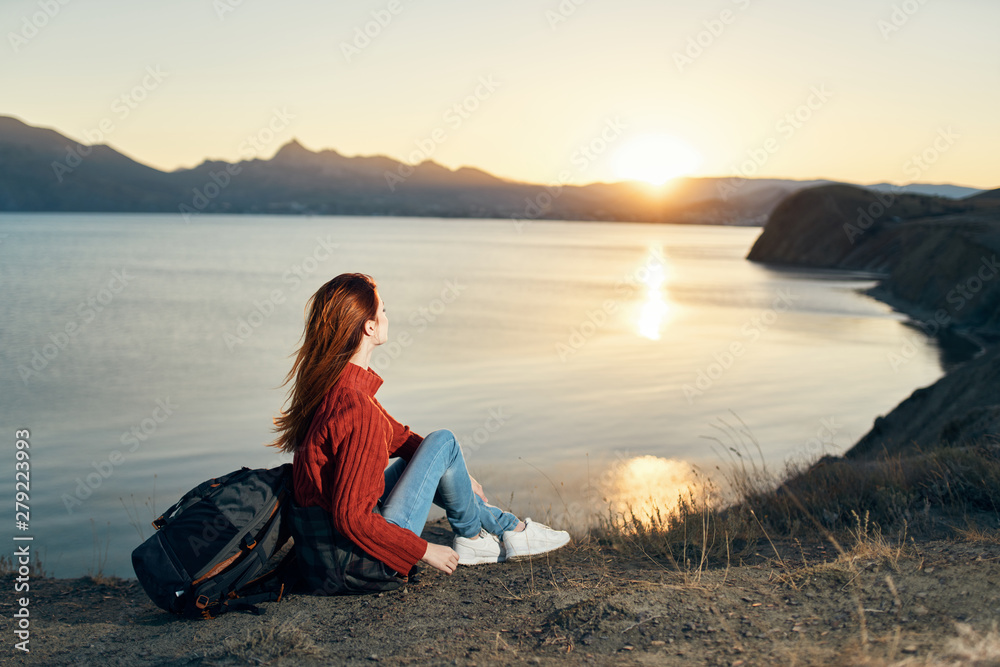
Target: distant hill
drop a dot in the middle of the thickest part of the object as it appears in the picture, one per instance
(933, 189)
(849, 227)
(42, 170)
(94, 178)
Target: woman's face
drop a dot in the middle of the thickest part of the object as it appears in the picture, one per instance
(381, 324)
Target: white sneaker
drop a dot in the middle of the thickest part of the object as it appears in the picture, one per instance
(486, 549)
(536, 538)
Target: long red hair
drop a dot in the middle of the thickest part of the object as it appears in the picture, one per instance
(334, 329)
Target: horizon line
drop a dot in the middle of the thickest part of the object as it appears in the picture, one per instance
(665, 186)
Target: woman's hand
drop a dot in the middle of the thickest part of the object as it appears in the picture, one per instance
(477, 488)
(441, 557)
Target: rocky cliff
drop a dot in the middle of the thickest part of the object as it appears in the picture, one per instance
(940, 261)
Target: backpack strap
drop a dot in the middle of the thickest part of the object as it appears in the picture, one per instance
(197, 493)
(161, 520)
(246, 603)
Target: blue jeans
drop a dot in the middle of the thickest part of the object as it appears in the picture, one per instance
(437, 473)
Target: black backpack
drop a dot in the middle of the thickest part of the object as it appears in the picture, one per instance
(223, 546)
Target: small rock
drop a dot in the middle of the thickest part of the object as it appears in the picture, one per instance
(910, 648)
(657, 642)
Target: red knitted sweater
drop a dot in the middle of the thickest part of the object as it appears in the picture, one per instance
(340, 467)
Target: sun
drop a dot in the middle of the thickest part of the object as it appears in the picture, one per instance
(655, 159)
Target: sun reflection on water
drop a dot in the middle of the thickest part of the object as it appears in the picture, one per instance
(646, 485)
(653, 275)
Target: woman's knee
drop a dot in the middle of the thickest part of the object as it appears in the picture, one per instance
(441, 441)
(440, 438)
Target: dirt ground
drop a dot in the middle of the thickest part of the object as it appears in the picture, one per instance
(936, 603)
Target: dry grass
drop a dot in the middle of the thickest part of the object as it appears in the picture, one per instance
(133, 512)
(271, 643)
(870, 504)
(969, 648)
(96, 570)
(871, 546)
(974, 533)
(9, 567)
(926, 490)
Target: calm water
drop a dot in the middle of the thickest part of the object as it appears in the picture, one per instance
(576, 361)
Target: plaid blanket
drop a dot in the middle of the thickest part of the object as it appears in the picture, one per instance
(330, 563)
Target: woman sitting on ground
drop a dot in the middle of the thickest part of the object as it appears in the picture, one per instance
(357, 519)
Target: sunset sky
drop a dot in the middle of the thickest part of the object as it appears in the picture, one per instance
(852, 90)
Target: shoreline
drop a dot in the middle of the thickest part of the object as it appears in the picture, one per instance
(950, 337)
